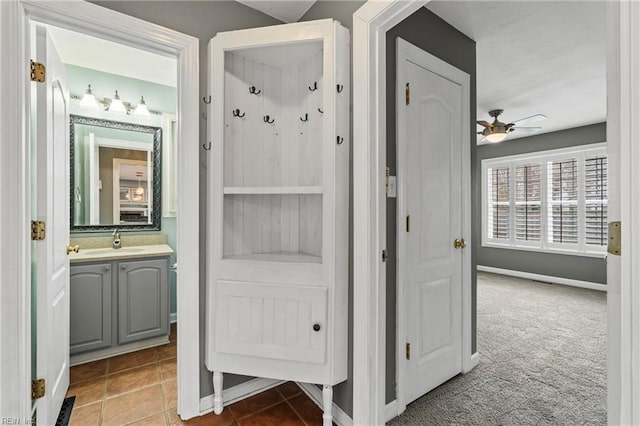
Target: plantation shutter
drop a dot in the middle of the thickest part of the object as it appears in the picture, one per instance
(527, 192)
(596, 200)
(563, 201)
(498, 203)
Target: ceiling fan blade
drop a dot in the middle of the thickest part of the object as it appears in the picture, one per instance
(524, 131)
(484, 123)
(532, 119)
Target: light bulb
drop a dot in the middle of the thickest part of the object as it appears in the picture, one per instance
(141, 110)
(116, 105)
(88, 101)
(496, 137)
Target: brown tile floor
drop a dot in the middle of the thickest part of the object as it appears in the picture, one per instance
(140, 389)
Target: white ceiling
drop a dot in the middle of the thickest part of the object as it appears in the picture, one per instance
(534, 57)
(91, 52)
(284, 10)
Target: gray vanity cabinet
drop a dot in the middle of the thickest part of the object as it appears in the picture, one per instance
(143, 299)
(91, 292)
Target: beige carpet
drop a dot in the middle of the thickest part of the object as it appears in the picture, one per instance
(542, 360)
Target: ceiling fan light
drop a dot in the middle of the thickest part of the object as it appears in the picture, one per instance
(117, 105)
(496, 137)
(142, 110)
(89, 101)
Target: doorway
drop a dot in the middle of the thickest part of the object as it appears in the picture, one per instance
(102, 23)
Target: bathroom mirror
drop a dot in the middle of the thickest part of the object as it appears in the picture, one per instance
(115, 175)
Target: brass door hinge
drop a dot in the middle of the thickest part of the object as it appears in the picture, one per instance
(37, 388)
(408, 223)
(407, 94)
(38, 72)
(615, 238)
(387, 172)
(37, 230)
(408, 350)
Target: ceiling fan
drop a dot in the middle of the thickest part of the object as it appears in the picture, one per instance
(498, 131)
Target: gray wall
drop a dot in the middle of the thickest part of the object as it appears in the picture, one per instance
(203, 20)
(574, 267)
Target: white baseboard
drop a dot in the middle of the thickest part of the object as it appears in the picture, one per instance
(239, 392)
(173, 318)
(339, 417)
(545, 278)
(391, 411)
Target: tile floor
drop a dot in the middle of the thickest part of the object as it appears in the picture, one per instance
(140, 389)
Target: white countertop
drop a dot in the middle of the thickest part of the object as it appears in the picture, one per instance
(132, 252)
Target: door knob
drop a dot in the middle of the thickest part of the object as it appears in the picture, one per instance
(459, 243)
(73, 249)
(316, 327)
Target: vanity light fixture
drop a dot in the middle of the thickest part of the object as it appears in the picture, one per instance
(89, 101)
(116, 105)
(142, 110)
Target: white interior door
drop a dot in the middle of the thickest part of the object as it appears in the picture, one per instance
(430, 210)
(52, 296)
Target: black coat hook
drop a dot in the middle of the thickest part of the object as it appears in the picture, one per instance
(339, 87)
(340, 140)
(253, 90)
(306, 118)
(268, 119)
(236, 113)
(320, 111)
(207, 146)
(204, 99)
(314, 87)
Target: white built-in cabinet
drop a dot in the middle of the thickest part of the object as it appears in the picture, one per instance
(278, 201)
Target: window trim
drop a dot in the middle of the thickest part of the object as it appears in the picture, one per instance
(580, 152)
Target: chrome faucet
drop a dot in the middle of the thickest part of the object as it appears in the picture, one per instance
(116, 244)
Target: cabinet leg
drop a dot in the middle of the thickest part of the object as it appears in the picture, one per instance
(217, 392)
(327, 404)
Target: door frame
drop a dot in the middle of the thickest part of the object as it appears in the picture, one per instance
(408, 52)
(370, 24)
(15, 167)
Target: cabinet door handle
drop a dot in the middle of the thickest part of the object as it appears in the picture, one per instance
(106, 269)
(316, 327)
(123, 267)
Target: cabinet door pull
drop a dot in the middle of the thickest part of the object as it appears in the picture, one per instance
(106, 269)
(316, 327)
(123, 267)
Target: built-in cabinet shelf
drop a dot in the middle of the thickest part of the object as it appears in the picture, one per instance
(277, 286)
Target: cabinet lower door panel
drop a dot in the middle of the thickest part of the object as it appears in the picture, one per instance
(142, 300)
(276, 321)
(90, 316)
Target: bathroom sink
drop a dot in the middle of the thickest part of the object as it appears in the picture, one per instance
(112, 250)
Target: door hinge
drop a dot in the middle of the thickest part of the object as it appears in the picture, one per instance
(385, 255)
(37, 388)
(408, 350)
(38, 72)
(615, 238)
(407, 94)
(387, 172)
(408, 223)
(37, 230)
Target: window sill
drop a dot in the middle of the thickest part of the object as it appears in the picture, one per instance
(594, 254)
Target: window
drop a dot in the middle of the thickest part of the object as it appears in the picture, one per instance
(551, 200)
